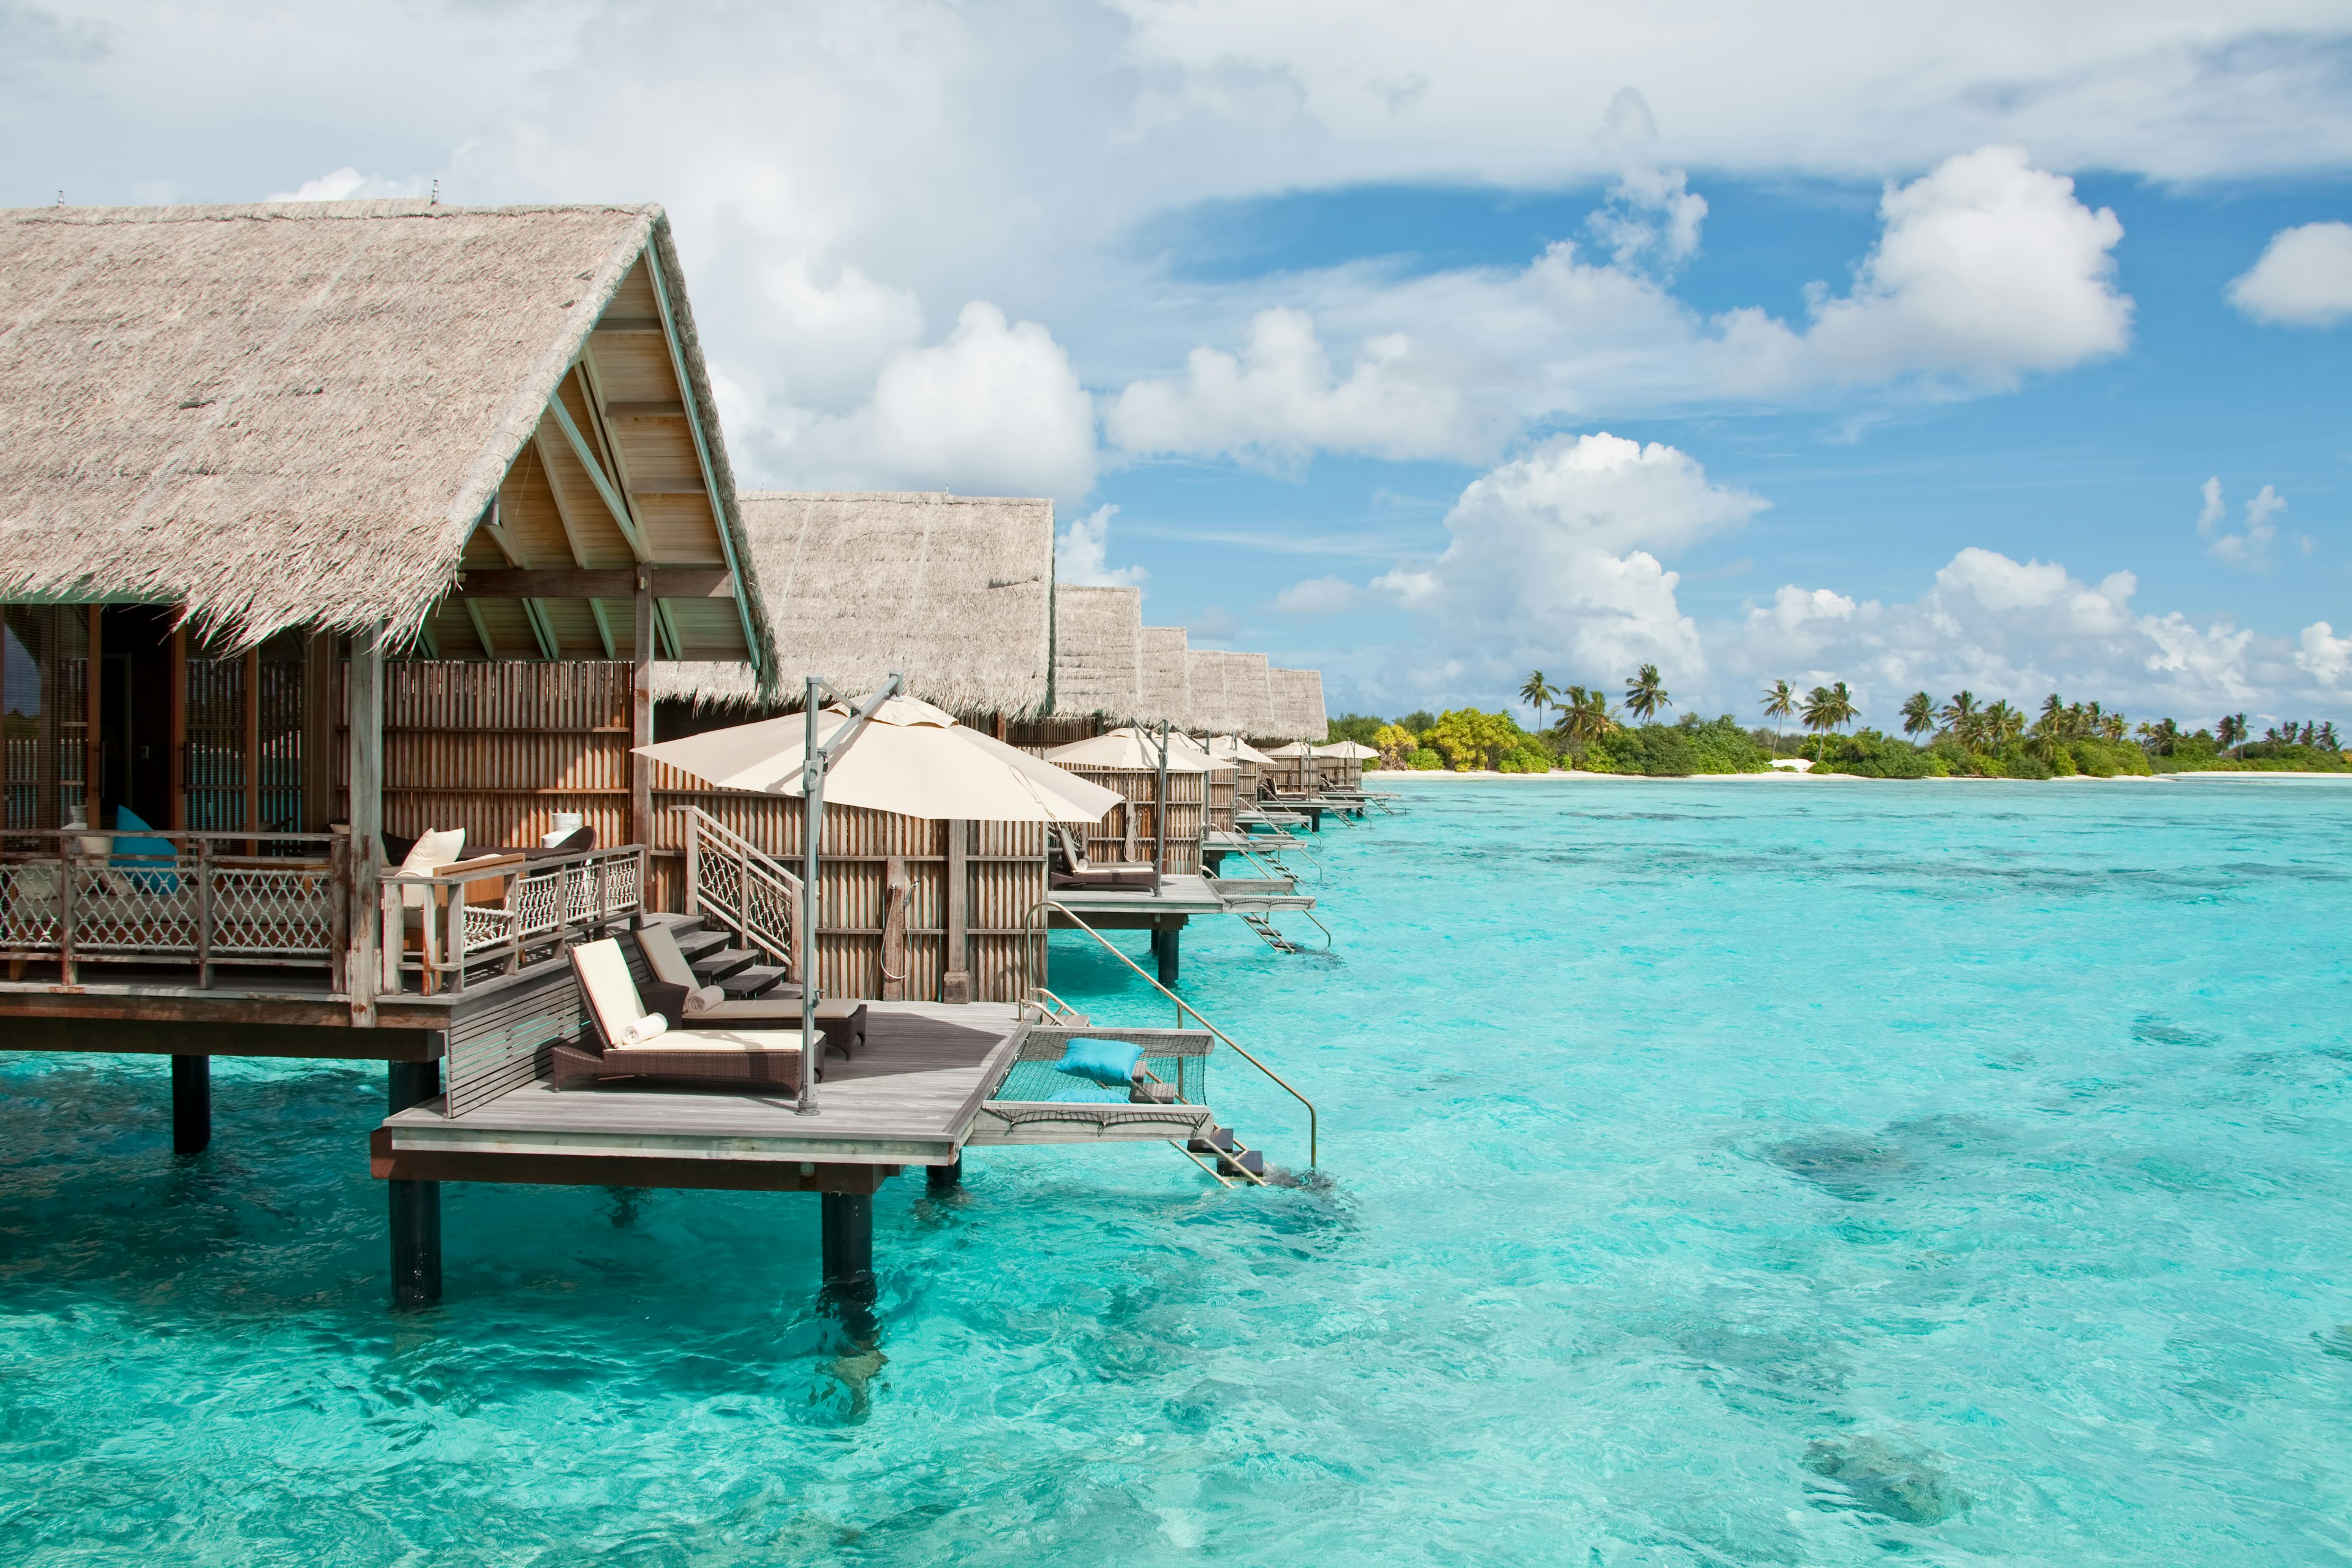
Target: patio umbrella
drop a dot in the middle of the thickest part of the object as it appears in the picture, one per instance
(1239, 750)
(1355, 750)
(911, 758)
(1139, 750)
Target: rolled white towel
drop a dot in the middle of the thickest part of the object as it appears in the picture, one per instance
(703, 998)
(650, 1026)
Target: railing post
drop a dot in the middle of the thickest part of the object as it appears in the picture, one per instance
(203, 913)
(693, 860)
(69, 873)
(453, 951)
(338, 911)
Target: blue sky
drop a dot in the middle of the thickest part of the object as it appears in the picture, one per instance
(1428, 344)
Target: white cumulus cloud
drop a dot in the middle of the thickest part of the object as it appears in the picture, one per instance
(1552, 565)
(1082, 553)
(994, 407)
(2303, 279)
(348, 184)
(2248, 550)
(1319, 596)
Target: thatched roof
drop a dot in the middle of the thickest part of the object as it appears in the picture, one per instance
(955, 590)
(1298, 713)
(296, 413)
(1167, 677)
(1229, 692)
(1099, 651)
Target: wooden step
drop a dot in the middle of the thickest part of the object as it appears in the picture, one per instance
(699, 943)
(1152, 1094)
(715, 969)
(756, 980)
(1216, 1140)
(1248, 1160)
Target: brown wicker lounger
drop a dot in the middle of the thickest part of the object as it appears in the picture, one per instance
(844, 1022)
(1078, 871)
(757, 1059)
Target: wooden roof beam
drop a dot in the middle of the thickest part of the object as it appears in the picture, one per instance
(617, 582)
(614, 503)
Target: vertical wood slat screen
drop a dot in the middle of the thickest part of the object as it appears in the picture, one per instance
(1006, 871)
(497, 748)
(44, 713)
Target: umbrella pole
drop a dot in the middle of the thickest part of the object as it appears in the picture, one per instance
(1159, 816)
(813, 792)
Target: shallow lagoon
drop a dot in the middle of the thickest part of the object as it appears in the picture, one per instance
(1805, 1173)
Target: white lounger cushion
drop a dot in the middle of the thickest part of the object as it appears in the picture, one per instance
(604, 982)
(744, 1040)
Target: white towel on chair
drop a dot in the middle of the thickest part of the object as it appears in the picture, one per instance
(703, 998)
(646, 1028)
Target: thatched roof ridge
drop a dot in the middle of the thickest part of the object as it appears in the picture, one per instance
(1098, 650)
(1229, 692)
(291, 413)
(1298, 712)
(1167, 677)
(955, 590)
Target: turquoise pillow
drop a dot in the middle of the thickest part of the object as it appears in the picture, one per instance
(128, 851)
(1105, 1061)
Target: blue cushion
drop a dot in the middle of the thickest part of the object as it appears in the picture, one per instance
(1105, 1061)
(130, 851)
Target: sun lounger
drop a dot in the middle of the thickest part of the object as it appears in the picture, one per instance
(640, 1043)
(1076, 871)
(844, 1022)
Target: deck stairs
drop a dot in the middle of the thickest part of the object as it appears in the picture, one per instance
(1268, 932)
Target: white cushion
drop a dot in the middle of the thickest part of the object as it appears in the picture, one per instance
(431, 851)
(604, 982)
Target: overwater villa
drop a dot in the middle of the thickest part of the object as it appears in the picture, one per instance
(340, 547)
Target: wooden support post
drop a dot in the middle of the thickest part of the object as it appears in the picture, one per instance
(1166, 947)
(318, 731)
(894, 889)
(944, 1178)
(641, 716)
(955, 964)
(363, 719)
(93, 766)
(191, 1104)
(253, 748)
(416, 1207)
(849, 1290)
(179, 678)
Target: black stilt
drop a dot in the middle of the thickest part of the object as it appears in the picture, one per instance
(849, 1290)
(1166, 946)
(191, 1104)
(944, 1178)
(415, 1206)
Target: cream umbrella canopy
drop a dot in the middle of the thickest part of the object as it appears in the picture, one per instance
(1239, 750)
(910, 758)
(1130, 748)
(1355, 751)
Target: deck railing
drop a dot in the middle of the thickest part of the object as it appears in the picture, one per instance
(1183, 1009)
(737, 883)
(83, 896)
(501, 913)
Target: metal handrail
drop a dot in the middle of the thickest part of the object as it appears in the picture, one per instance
(1182, 1007)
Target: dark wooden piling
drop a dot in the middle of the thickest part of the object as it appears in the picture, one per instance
(416, 1207)
(191, 1104)
(850, 1287)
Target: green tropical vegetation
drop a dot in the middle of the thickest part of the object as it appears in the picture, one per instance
(1961, 736)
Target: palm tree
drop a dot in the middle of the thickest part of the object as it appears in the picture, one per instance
(1537, 693)
(2327, 736)
(2002, 724)
(1779, 702)
(2052, 722)
(1828, 708)
(2233, 730)
(2114, 727)
(1584, 716)
(2160, 737)
(1963, 719)
(1918, 713)
(1645, 694)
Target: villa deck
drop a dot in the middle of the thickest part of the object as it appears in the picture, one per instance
(908, 1098)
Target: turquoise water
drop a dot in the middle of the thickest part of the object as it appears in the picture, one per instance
(1712, 1173)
